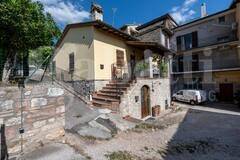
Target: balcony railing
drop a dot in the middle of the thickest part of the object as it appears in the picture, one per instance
(208, 41)
(219, 59)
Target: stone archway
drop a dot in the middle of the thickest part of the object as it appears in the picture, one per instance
(145, 101)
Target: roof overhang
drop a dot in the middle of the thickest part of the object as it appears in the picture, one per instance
(204, 19)
(166, 16)
(154, 46)
(98, 25)
(233, 4)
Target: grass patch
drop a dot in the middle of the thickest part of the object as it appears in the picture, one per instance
(89, 138)
(148, 126)
(120, 155)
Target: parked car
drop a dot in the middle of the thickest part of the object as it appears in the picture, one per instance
(190, 96)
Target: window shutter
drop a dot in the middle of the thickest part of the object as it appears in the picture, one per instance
(195, 39)
(71, 62)
(120, 58)
(179, 43)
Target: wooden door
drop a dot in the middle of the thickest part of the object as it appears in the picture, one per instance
(226, 92)
(145, 101)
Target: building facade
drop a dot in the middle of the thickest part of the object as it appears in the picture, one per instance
(113, 69)
(208, 54)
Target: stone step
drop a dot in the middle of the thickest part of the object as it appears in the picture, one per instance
(99, 103)
(118, 84)
(105, 99)
(115, 88)
(115, 96)
(112, 91)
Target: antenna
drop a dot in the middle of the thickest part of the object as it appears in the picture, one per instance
(114, 10)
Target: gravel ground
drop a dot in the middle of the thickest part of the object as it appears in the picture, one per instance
(191, 132)
(185, 134)
(54, 151)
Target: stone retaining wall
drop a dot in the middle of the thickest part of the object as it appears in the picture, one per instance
(43, 114)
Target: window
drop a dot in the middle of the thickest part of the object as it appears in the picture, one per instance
(180, 93)
(223, 39)
(195, 62)
(187, 41)
(180, 64)
(120, 58)
(221, 19)
(71, 62)
(101, 66)
(179, 43)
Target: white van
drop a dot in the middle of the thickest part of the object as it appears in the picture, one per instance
(190, 96)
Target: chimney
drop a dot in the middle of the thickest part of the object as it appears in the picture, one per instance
(203, 10)
(96, 12)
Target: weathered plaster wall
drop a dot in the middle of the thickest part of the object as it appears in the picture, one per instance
(43, 115)
(80, 42)
(105, 47)
(159, 93)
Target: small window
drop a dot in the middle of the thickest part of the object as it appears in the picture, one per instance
(101, 66)
(71, 62)
(221, 19)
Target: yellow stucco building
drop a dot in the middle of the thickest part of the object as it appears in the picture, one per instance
(109, 65)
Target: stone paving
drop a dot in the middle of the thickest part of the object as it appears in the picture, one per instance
(54, 151)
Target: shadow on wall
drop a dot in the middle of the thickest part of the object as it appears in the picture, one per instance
(205, 135)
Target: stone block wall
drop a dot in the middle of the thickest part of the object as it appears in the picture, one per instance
(43, 114)
(159, 95)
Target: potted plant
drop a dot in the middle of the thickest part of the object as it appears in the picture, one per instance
(163, 66)
(141, 68)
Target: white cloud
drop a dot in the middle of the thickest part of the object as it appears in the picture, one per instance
(189, 2)
(184, 12)
(65, 12)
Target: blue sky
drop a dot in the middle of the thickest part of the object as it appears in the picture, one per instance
(130, 11)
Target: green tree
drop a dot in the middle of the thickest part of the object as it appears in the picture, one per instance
(38, 56)
(24, 26)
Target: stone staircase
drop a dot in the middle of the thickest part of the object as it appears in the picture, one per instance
(110, 96)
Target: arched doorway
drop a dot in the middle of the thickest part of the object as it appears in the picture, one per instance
(145, 101)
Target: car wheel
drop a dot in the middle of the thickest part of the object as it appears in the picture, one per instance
(174, 98)
(192, 102)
